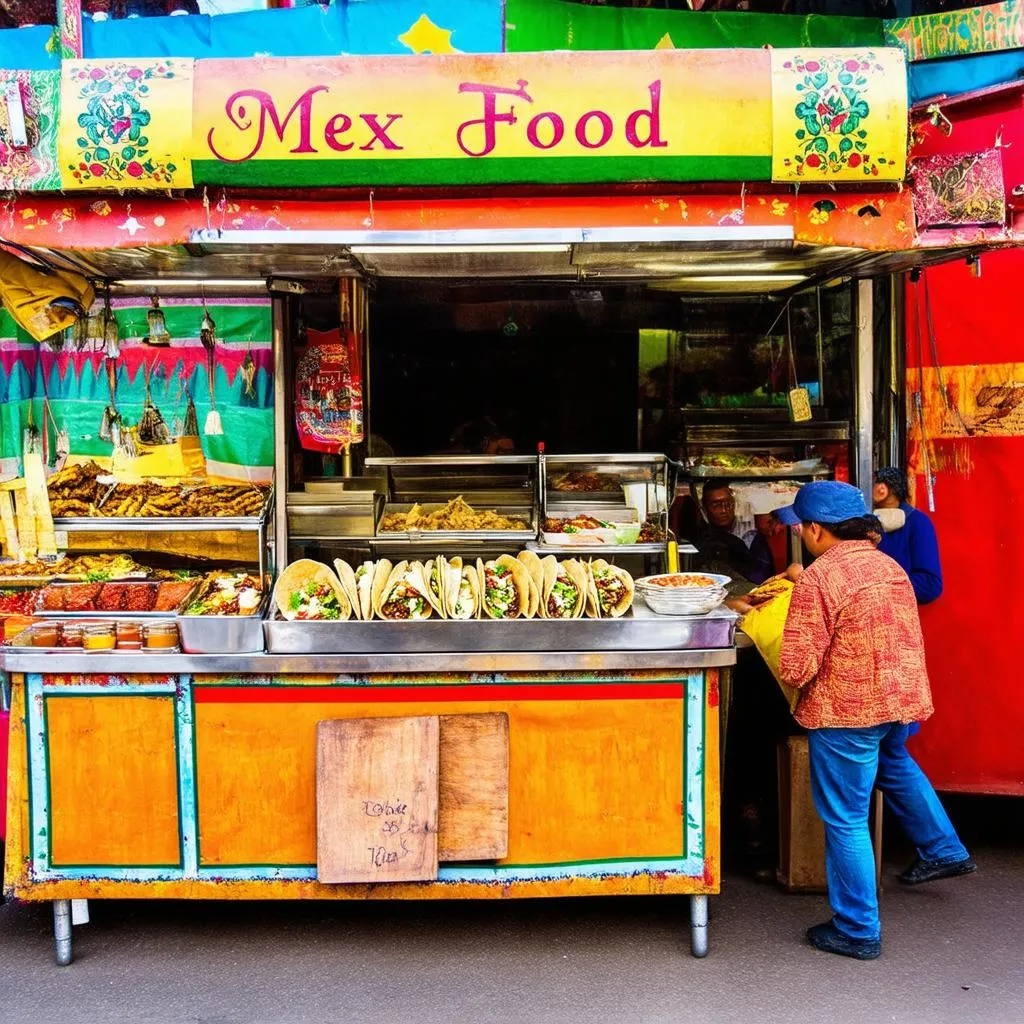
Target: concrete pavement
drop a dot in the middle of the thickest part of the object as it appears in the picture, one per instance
(953, 952)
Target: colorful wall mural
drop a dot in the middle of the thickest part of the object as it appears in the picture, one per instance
(76, 387)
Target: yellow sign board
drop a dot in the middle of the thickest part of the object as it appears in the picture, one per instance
(462, 119)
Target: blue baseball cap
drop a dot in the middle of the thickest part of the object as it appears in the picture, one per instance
(823, 501)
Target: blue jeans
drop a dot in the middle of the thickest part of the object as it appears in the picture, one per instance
(845, 764)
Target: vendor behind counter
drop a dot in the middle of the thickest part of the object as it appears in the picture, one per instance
(721, 549)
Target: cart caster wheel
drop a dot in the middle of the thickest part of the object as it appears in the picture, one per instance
(62, 931)
(699, 926)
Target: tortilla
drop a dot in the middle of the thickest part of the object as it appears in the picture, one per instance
(594, 610)
(520, 584)
(300, 575)
(347, 576)
(405, 584)
(436, 574)
(534, 567)
(456, 576)
(574, 573)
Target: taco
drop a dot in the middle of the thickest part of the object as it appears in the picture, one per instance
(533, 566)
(609, 590)
(504, 588)
(436, 574)
(403, 595)
(564, 595)
(348, 580)
(309, 590)
(462, 597)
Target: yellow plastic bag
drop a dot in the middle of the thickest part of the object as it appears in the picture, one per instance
(764, 625)
(42, 301)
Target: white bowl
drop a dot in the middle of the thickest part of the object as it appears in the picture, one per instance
(667, 603)
(648, 583)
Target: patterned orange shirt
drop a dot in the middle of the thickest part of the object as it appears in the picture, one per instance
(853, 642)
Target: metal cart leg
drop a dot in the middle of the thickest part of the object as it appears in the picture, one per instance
(699, 926)
(62, 931)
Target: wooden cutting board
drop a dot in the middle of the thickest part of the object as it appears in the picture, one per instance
(473, 820)
(377, 798)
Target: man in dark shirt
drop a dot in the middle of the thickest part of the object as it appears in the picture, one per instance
(719, 546)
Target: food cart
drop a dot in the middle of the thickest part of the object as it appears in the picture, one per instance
(138, 773)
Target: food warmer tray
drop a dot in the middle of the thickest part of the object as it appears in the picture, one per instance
(638, 630)
(222, 634)
(525, 512)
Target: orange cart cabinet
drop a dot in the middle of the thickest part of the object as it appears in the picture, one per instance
(202, 784)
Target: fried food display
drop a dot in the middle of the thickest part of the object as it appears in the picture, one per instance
(75, 492)
(585, 483)
(458, 514)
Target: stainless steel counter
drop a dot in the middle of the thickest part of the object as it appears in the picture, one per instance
(363, 664)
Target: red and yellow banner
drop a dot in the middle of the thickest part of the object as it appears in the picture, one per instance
(461, 119)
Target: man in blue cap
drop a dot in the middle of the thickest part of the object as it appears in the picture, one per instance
(852, 644)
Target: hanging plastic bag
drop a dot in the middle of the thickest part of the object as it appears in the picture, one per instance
(42, 301)
(765, 624)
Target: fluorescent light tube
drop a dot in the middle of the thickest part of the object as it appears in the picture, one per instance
(435, 250)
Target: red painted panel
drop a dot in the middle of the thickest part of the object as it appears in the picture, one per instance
(278, 694)
(972, 633)
(973, 741)
(977, 319)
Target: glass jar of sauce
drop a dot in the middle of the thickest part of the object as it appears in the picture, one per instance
(160, 636)
(71, 634)
(46, 634)
(129, 636)
(99, 636)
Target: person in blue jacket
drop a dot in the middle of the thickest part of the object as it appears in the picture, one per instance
(916, 548)
(914, 544)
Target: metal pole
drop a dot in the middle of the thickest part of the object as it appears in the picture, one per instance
(280, 437)
(864, 389)
(62, 931)
(699, 926)
(820, 349)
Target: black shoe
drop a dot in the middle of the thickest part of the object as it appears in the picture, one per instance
(930, 870)
(829, 939)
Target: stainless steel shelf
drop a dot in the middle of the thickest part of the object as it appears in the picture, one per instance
(601, 549)
(159, 524)
(267, 665)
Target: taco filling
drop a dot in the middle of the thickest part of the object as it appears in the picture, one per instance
(563, 599)
(404, 602)
(465, 603)
(314, 600)
(500, 591)
(611, 589)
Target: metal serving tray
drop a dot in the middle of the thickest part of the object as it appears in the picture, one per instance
(527, 513)
(223, 634)
(638, 630)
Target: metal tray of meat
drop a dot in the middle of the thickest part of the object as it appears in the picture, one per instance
(117, 613)
(223, 634)
(526, 513)
(638, 630)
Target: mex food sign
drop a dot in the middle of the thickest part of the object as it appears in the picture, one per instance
(574, 118)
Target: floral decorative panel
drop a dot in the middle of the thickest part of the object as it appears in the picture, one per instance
(126, 124)
(839, 115)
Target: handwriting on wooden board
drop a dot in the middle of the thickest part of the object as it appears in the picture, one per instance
(377, 797)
